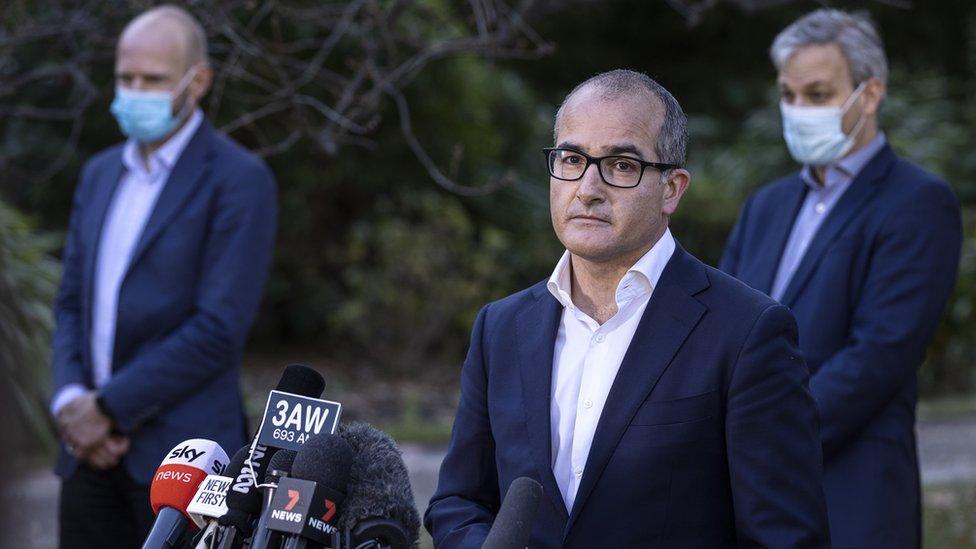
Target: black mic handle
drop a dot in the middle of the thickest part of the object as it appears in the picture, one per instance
(229, 538)
(167, 531)
(295, 542)
(265, 538)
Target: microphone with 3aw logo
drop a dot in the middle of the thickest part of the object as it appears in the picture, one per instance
(174, 485)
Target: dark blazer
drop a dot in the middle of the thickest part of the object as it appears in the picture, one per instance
(186, 302)
(708, 438)
(867, 297)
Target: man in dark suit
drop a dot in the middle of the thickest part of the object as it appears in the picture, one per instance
(169, 245)
(863, 246)
(659, 402)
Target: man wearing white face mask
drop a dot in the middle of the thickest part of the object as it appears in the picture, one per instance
(168, 248)
(863, 246)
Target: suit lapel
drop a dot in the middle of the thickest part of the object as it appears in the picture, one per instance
(670, 316)
(778, 232)
(850, 204)
(191, 166)
(535, 328)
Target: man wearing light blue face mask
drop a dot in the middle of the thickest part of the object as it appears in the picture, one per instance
(863, 246)
(168, 248)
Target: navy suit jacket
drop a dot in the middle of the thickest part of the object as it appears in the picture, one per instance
(867, 296)
(185, 304)
(708, 438)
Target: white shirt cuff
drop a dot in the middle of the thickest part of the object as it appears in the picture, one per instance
(66, 395)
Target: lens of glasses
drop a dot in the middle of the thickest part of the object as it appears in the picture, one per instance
(565, 164)
(620, 171)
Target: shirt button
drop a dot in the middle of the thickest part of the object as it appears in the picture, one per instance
(578, 472)
(820, 207)
(587, 403)
(600, 338)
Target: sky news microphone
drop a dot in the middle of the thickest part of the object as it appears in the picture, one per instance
(514, 521)
(174, 485)
(379, 508)
(305, 505)
(279, 467)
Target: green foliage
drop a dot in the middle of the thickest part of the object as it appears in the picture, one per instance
(28, 280)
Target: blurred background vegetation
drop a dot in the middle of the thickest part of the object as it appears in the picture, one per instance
(379, 270)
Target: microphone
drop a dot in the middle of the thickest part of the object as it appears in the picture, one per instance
(204, 508)
(243, 498)
(306, 503)
(280, 466)
(174, 485)
(513, 523)
(379, 508)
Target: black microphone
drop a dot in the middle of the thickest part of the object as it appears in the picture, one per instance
(306, 504)
(243, 497)
(379, 508)
(279, 467)
(513, 523)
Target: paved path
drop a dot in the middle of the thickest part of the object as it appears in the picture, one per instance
(947, 450)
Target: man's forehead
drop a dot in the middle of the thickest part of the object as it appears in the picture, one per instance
(813, 64)
(159, 40)
(610, 126)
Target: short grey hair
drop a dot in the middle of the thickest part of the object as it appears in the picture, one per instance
(855, 33)
(672, 140)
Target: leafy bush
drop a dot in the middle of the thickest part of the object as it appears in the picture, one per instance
(28, 281)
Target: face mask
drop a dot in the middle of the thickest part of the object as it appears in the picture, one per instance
(147, 116)
(815, 135)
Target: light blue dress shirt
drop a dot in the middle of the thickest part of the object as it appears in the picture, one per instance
(817, 204)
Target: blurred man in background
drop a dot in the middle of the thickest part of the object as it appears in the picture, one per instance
(863, 246)
(659, 402)
(168, 249)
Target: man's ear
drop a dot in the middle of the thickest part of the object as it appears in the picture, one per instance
(675, 185)
(874, 93)
(200, 83)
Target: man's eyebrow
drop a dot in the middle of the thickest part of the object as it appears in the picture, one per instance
(622, 148)
(625, 148)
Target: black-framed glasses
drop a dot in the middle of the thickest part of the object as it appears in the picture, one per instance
(615, 170)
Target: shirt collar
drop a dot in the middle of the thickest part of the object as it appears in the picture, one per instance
(639, 279)
(846, 168)
(164, 158)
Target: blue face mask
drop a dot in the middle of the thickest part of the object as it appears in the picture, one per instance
(147, 116)
(815, 135)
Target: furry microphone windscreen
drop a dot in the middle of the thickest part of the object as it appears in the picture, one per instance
(379, 486)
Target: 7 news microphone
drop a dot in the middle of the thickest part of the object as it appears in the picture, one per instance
(305, 503)
(348, 490)
(279, 467)
(174, 485)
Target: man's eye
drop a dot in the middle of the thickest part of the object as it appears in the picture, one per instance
(572, 159)
(624, 166)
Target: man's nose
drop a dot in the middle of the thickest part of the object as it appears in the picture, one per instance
(591, 185)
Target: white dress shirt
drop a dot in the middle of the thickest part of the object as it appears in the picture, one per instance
(586, 359)
(132, 205)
